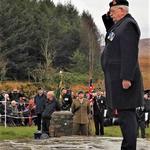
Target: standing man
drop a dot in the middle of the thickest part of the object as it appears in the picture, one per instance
(98, 111)
(123, 82)
(51, 105)
(66, 99)
(147, 108)
(140, 112)
(39, 100)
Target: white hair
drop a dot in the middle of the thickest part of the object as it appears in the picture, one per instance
(125, 8)
(13, 103)
(51, 93)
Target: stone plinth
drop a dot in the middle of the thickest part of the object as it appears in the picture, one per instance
(61, 124)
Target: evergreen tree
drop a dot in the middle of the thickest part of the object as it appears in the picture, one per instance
(37, 35)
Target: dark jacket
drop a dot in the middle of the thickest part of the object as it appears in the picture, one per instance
(21, 107)
(147, 105)
(140, 115)
(99, 104)
(120, 62)
(40, 103)
(15, 96)
(2, 109)
(66, 101)
(49, 108)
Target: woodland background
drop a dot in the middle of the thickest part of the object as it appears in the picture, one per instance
(39, 39)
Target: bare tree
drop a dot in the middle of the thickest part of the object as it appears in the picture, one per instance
(94, 39)
(44, 71)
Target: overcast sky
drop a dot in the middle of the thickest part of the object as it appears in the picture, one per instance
(139, 9)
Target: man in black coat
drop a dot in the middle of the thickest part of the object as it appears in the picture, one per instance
(98, 110)
(147, 107)
(51, 105)
(66, 99)
(39, 100)
(140, 114)
(123, 81)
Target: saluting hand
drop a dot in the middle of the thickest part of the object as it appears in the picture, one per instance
(126, 84)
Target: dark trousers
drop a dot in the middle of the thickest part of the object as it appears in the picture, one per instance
(80, 129)
(99, 124)
(45, 125)
(128, 125)
(141, 126)
(39, 118)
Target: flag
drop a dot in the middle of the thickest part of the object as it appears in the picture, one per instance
(91, 87)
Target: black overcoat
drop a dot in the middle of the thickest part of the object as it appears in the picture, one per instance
(99, 105)
(120, 62)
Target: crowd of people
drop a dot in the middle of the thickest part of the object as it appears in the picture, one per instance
(37, 110)
(20, 110)
(123, 85)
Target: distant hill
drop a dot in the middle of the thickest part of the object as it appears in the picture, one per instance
(144, 47)
(144, 58)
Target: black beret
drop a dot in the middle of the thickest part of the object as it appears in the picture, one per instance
(119, 2)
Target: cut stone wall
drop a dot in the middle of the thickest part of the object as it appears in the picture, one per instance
(61, 124)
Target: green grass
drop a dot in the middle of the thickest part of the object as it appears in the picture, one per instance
(16, 132)
(10, 133)
(114, 131)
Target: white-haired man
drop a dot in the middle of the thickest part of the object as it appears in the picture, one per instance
(50, 106)
(123, 81)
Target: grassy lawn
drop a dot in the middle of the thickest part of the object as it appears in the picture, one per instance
(16, 132)
(27, 132)
(114, 131)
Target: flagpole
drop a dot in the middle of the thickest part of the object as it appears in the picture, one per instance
(61, 82)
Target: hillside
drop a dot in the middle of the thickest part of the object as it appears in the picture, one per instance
(39, 36)
(144, 59)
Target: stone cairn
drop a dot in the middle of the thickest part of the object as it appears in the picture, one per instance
(61, 124)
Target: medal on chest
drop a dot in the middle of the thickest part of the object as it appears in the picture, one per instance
(111, 36)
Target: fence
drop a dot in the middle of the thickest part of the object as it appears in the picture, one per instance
(5, 112)
(5, 116)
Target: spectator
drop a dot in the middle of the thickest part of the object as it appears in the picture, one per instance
(31, 107)
(39, 101)
(147, 108)
(50, 106)
(81, 110)
(2, 96)
(99, 105)
(2, 107)
(22, 108)
(14, 95)
(140, 113)
(66, 99)
(21, 104)
(14, 112)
